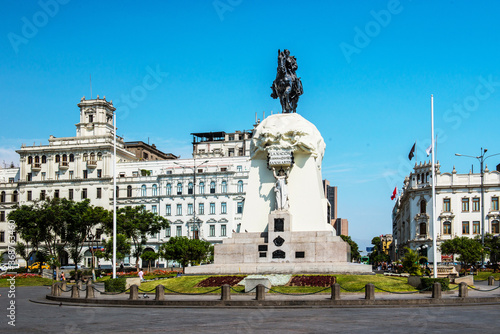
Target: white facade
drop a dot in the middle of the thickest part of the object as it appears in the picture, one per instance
(458, 208)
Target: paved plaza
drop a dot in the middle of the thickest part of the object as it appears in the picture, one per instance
(43, 318)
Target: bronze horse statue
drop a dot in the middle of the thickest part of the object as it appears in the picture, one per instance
(287, 86)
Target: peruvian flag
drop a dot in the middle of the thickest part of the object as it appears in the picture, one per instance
(394, 193)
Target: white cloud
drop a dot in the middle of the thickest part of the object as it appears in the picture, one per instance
(8, 155)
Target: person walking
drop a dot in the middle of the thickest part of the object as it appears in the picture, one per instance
(141, 275)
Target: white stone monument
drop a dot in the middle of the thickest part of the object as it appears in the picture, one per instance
(284, 227)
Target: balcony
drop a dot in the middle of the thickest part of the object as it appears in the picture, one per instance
(91, 163)
(36, 167)
(63, 165)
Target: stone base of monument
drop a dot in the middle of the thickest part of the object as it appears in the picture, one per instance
(281, 251)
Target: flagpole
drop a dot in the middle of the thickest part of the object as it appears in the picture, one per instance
(114, 194)
(434, 231)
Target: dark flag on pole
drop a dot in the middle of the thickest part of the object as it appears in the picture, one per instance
(412, 152)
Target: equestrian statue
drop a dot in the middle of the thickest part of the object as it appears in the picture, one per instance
(287, 86)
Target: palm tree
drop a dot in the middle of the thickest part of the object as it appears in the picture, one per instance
(411, 262)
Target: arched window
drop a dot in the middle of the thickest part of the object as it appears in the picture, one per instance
(212, 187)
(240, 186)
(99, 156)
(179, 188)
(129, 191)
(495, 227)
(423, 229)
(14, 196)
(85, 157)
(223, 187)
(202, 187)
(169, 189)
(155, 190)
(143, 190)
(65, 157)
(423, 206)
(30, 160)
(44, 159)
(2, 197)
(190, 188)
(37, 159)
(117, 192)
(447, 227)
(58, 158)
(92, 156)
(71, 158)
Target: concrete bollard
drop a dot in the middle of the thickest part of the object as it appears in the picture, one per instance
(134, 292)
(90, 291)
(56, 291)
(463, 290)
(160, 292)
(491, 280)
(64, 286)
(75, 293)
(436, 290)
(260, 292)
(79, 284)
(370, 291)
(225, 292)
(335, 291)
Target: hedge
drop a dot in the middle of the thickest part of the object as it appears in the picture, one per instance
(427, 282)
(115, 284)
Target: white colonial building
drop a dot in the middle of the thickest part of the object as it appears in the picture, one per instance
(458, 209)
(201, 197)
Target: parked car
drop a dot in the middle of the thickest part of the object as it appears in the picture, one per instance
(72, 266)
(36, 265)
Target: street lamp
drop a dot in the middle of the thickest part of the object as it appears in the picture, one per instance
(194, 189)
(481, 159)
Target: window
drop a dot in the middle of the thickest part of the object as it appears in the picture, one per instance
(465, 205)
(85, 174)
(71, 175)
(212, 187)
(99, 156)
(85, 157)
(29, 195)
(56, 193)
(495, 227)
(29, 177)
(201, 208)
(2, 197)
(190, 188)
(91, 118)
(99, 173)
(153, 209)
(179, 210)
(167, 232)
(465, 228)
(240, 186)
(446, 205)
(239, 208)
(212, 208)
(64, 158)
(239, 168)
(212, 231)
(179, 188)
(57, 175)
(11, 180)
(155, 190)
(446, 227)
(202, 187)
(99, 193)
(84, 193)
(117, 192)
(423, 206)
(475, 228)
(2, 216)
(14, 196)
(2, 236)
(223, 208)
(223, 230)
(168, 210)
(43, 176)
(423, 229)
(129, 191)
(190, 208)
(70, 194)
(475, 204)
(42, 195)
(494, 204)
(169, 189)
(223, 187)
(58, 158)
(179, 231)
(143, 190)
(71, 158)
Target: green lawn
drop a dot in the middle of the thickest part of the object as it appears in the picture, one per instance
(29, 281)
(483, 275)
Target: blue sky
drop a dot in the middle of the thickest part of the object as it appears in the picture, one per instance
(368, 69)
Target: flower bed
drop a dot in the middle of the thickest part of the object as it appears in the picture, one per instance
(312, 280)
(215, 281)
(18, 276)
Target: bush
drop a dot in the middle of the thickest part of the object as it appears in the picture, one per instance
(115, 284)
(20, 270)
(426, 283)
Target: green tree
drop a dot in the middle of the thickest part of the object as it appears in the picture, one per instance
(469, 251)
(492, 248)
(377, 255)
(149, 256)
(135, 223)
(411, 262)
(355, 255)
(22, 250)
(123, 247)
(185, 251)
